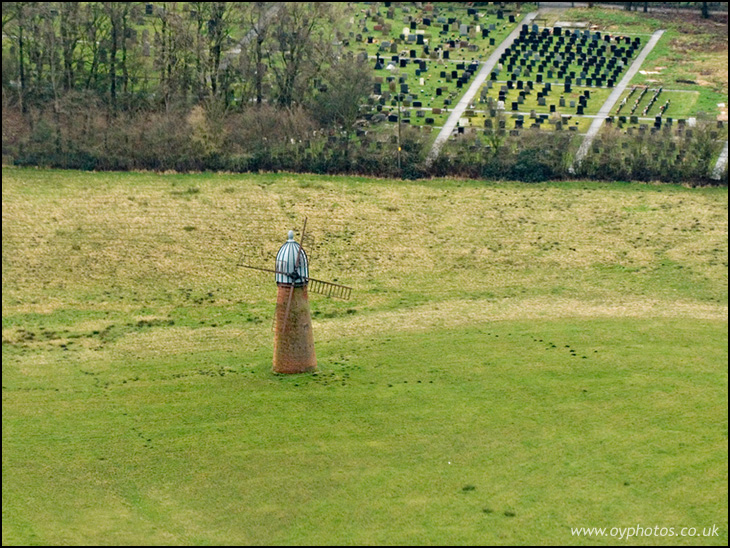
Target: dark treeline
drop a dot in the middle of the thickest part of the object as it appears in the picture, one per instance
(250, 86)
(185, 86)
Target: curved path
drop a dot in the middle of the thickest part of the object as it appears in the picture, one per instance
(721, 164)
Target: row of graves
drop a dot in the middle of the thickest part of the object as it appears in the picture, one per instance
(431, 30)
(571, 58)
(555, 78)
(653, 109)
(424, 55)
(411, 86)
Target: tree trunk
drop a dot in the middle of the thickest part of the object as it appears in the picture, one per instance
(705, 11)
(259, 71)
(21, 59)
(113, 62)
(68, 12)
(215, 32)
(125, 72)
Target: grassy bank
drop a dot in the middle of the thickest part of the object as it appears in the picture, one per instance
(516, 360)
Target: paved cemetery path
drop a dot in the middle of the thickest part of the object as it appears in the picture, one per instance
(250, 35)
(613, 98)
(721, 163)
(481, 77)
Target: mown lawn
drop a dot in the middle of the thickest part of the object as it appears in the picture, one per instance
(516, 360)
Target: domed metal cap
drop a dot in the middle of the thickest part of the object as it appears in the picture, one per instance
(286, 263)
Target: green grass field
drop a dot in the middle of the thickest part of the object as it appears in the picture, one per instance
(517, 360)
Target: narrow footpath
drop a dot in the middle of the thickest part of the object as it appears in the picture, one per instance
(721, 164)
(613, 99)
(470, 93)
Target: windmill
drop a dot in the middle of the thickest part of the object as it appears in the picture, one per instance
(293, 337)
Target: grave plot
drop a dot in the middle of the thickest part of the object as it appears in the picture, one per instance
(433, 31)
(691, 55)
(426, 55)
(642, 104)
(643, 108)
(518, 99)
(426, 96)
(668, 126)
(555, 75)
(571, 57)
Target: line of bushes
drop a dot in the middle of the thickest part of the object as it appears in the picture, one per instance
(78, 134)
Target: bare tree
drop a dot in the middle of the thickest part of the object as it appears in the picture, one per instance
(257, 18)
(70, 36)
(301, 40)
(346, 87)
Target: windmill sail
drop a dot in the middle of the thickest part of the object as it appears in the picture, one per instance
(329, 289)
(293, 268)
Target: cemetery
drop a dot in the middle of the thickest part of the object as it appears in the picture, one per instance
(555, 76)
(425, 53)
(523, 67)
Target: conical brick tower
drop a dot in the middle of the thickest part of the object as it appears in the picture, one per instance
(293, 336)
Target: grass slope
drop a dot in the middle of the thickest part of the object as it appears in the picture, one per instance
(517, 360)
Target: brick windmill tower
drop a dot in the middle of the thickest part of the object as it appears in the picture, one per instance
(293, 336)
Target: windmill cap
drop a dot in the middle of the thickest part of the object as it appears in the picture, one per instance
(291, 263)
